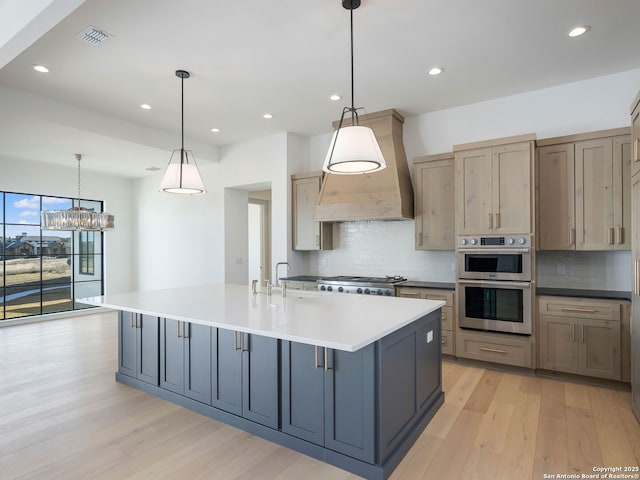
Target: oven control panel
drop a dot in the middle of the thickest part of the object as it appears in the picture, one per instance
(495, 241)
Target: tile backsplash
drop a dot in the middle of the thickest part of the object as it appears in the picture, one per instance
(588, 270)
(379, 248)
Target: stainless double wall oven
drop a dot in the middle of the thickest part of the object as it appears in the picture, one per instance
(495, 283)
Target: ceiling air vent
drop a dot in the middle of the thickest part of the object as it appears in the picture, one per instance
(93, 36)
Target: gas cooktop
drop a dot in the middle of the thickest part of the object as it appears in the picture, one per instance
(355, 279)
(364, 285)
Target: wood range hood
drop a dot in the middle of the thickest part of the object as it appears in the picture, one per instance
(384, 195)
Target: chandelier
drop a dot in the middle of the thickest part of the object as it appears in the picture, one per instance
(76, 218)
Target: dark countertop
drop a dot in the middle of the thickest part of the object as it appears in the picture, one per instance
(301, 278)
(418, 284)
(572, 292)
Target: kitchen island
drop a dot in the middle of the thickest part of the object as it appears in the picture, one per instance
(351, 380)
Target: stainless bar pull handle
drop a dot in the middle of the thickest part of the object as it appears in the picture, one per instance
(410, 294)
(493, 350)
(611, 234)
(138, 316)
(572, 236)
(490, 221)
(316, 364)
(326, 359)
(186, 330)
(443, 342)
(497, 220)
(242, 348)
(635, 288)
(620, 235)
(420, 238)
(581, 333)
(178, 329)
(578, 310)
(636, 150)
(573, 332)
(317, 240)
(131, 320)
(235, 341)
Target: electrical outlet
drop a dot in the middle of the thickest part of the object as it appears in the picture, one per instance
(430, 336)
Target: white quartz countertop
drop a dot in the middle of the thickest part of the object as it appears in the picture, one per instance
(333, 320)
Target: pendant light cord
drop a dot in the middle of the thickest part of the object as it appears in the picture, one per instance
(78, 157)
(353, 110)
(182, 120)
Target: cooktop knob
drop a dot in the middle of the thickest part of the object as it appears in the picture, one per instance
(323, 288)
(359, 290)
(379, 292)
(522, 241)
(367, 291)
(474, 241)
(463, 241)
(330, 288)
(340, 289)
(511, 241)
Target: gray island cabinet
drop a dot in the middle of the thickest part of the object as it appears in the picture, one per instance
(356, 396)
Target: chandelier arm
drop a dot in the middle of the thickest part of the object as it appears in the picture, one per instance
(78, 157)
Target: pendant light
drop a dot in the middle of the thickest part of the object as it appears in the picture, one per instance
(182, 174)
(354, 149)
(76, 218)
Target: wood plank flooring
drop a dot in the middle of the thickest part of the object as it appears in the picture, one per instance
(63, 416)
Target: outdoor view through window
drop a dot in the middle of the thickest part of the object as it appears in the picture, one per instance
(42, 271)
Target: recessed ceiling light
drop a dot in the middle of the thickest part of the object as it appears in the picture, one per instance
(145, 106)
(335, 97)
(215, 130)
(41, 68)
(267, 115)
(153, 169)
(577, 31)
(436, 71)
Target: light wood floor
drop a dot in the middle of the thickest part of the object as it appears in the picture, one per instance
(63, 416)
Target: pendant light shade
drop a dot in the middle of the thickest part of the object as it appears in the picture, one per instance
(354, 149)
(76, 218)
(182, 174)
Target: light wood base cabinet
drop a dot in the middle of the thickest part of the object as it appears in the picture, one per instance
(449, 320)
(495, 347)
(581, 336)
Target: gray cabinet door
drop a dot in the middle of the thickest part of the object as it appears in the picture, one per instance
(197, 360)
(127, 344)
(350, 403)
(428, 362)
(260, 379)
(147, 345)
(227, 371)
(171, 356)
(303, 391)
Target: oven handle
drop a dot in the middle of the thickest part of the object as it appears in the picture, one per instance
(496, 283)
(501, 251)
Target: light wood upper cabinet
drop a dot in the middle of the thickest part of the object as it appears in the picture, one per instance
(584, 192)
(307, 233)
(494, 189)
(556, 198)
(434, 202)
(635, 134)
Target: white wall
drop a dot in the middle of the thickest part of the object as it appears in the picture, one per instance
(23, 176)
(203, 239)
(386, 248)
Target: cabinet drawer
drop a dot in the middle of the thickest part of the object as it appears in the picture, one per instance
(494, 348)
(447, 318)
(447, 343)
(579, 308)
(427, 293)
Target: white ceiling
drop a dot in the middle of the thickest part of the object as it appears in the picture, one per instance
(286, 57)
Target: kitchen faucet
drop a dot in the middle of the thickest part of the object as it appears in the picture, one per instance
(275, 284)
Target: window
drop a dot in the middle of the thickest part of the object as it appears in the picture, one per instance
(86, 256)
(43, 271)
